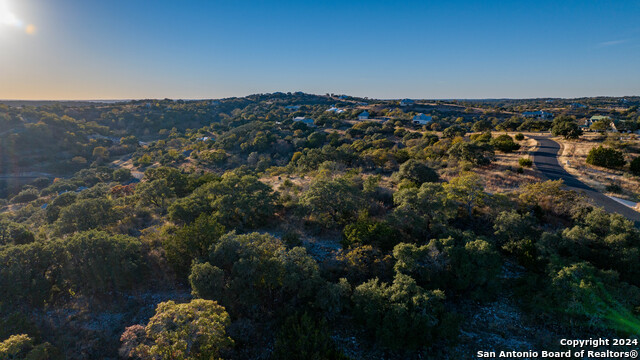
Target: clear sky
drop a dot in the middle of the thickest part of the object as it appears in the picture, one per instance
(125, 49)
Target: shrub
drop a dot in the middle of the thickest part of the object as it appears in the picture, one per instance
(256, 275)
(590, 298)
(41, 183)
(122, 175)
(234, 201)
(453, 131)
(614, 188)
(519, 137)
(207, 281)
(88, 263)
(195, 330)
(332, 202)
(634, 167)
(476, 153)
(462, 267)
(304, 338)
(417, 172)
(97, 262)
(401, 314)
(525, 162)
(14, 233)
(292, 239)
(606, 157)
(504, 143)
(482, 125)
(567, 127)
(26, 196)
(85, 215)
(367, 231)
(514, 233)
(482, 137)
(362, 263)
(191, 242)
(22, 347)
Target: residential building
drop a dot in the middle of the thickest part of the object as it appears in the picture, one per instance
(406, 102)
(363, 115)
(604, 118)
(584, 124)
(334, 109)
(305, 120)
(421, 119)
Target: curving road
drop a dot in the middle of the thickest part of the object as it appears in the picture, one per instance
(546, 160)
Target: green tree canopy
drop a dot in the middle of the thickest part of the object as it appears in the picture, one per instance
(194, 330)
(504, 143)
(417, 172)
(402, 314)
(86, 214)
(565, 126)
(236, 202)
(332, 201)
(606, 157)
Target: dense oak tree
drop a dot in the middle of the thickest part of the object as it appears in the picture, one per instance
(194, 330)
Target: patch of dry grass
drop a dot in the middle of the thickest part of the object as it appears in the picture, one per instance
(502, 175)
(573, 156)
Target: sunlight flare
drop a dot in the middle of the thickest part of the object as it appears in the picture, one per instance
(7, 17)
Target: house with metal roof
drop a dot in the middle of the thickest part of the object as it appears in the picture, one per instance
(421, 119)
(304, 120)
(406, 102)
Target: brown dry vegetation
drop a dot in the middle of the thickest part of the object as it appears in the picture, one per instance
(573, 157)
(501, 175)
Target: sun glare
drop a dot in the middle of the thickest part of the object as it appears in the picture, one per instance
(9, 19)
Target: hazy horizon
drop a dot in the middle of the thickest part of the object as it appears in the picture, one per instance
(323, 94)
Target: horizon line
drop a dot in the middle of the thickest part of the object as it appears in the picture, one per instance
(293, 92)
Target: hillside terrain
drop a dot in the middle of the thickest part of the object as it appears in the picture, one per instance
(292, 226)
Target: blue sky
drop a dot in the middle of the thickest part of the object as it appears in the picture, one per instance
(121, 49)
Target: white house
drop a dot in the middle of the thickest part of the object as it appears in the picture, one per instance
(334, 109)
(363, 115)
(421, 119)
(307, 121)
(406, 102)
